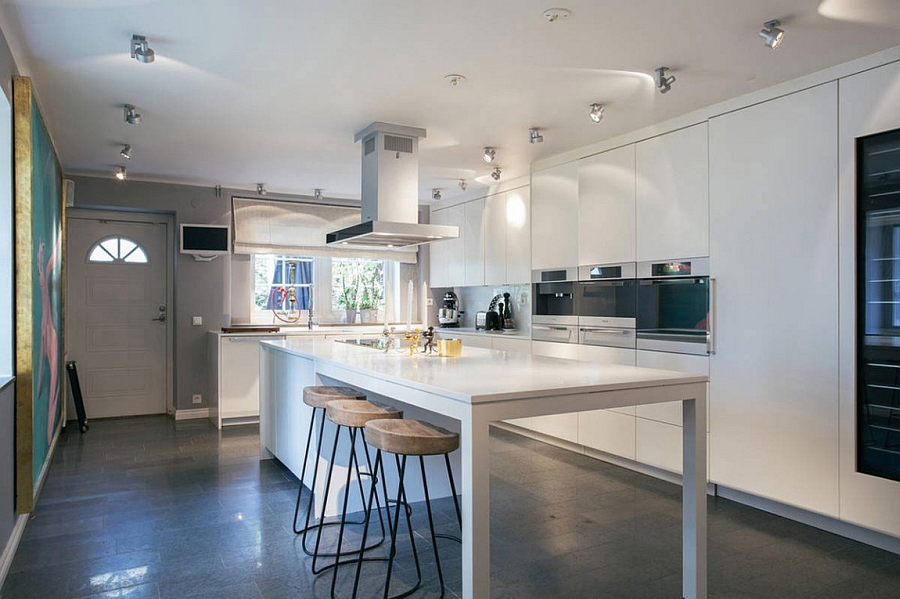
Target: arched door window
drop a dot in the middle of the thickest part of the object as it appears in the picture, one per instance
(117, 249)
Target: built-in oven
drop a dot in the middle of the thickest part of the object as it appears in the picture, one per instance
(673, 306)
(553, 312)
(607, 303)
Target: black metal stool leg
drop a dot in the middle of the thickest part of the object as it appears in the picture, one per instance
(437, 558)
(402, 500)
(315, 554)
(312, 423)
(453, 490)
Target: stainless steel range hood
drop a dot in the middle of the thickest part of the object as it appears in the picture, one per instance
(390, 192)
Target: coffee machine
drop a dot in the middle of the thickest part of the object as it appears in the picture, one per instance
(448, 315)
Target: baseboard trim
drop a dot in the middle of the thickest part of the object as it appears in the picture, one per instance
(12, 544)
(820, 521)
(192, 414)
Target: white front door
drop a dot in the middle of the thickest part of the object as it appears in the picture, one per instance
(118, 319)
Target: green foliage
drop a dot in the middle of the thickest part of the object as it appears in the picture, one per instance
(357, 284)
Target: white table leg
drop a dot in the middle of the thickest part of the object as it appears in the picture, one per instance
(476, 510)
(694, 499)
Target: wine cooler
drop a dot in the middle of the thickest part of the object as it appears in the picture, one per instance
(878, 305)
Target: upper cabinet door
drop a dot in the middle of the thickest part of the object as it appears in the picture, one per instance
(606, 211)
(495, 239)
(554, 217)
(474, 242)
(455, 250)
(518, 236)
(673, 195)
(439, 254)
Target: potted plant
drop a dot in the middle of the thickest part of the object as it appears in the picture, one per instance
(347, 301)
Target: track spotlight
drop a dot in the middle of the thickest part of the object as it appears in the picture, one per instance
(435, 194)
(596, 113)
(462, 184)
(140, 51)
(121, 174)
(663, 83)
(131, 117)
(261, 189)
(771, 33)
(126, 152)
(533, 137)
(495, 174)
(489, 154)
(317, 194)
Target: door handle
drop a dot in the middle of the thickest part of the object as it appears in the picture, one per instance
(160, 318)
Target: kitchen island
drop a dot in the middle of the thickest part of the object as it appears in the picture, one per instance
(480, 387)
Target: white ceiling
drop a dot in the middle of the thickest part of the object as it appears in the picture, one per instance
(274, 90)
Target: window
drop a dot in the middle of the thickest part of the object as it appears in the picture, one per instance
(338, 290)
(117, 249)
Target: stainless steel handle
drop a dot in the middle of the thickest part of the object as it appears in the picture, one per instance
(609, 331)
(711, 322)
(549, 328)
(160, 318)
(255, 339)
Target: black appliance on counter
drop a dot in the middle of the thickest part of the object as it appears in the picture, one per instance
(554, 316)
(607, 304)
(448, 314)
(878, 305)
(673, 306)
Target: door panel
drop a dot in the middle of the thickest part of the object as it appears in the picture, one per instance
(118, 320)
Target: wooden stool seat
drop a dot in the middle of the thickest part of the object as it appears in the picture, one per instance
(410, 437)
(353, 413)
(318, 396)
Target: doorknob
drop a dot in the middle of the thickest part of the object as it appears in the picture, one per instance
(160, 318)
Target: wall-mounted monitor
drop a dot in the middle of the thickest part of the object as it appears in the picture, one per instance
(205, 240)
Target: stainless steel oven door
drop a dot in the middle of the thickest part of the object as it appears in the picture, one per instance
(606, 336)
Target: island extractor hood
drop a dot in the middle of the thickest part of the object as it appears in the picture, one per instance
(390, 192)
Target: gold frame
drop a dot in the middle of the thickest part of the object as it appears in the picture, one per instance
(23, 156)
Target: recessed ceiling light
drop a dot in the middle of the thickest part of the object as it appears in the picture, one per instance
(132, 117)
(771, 33)
(121, 174)
(534, 136)
(140, 50)
(489, 154)
(556, 14)
(455, 78)
(596, 113)
(126, 152)
(663, 83)
(495, 174)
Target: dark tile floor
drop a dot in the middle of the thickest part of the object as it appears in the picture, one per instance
(152, 508)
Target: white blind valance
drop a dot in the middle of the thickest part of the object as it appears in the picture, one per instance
(299, 228)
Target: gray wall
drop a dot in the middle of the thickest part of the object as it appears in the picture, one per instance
(201, 288)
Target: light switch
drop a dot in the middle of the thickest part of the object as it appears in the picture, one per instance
(197, 321)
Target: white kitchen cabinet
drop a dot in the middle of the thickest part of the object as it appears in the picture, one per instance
(606, 207)
(468, 339)
(455, 250)
(669, 412)
(774, 255)
(608, 355)
(869, 103)
(554, 217)
(611, 431)
(473, 244)
(494, 221)
(672, 208)
(235, 397)
(439, 254)
(562, 426)
(518, 236)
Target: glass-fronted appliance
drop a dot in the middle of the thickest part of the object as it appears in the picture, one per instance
(607, 304)
(673, 306)
(878, 304)
(553, 312)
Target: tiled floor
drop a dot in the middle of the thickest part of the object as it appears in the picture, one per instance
(147, 507)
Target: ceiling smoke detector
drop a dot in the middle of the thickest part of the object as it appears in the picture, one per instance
(454, 79)
(556, 14)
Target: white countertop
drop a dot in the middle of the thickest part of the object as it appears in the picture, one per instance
(483, 375)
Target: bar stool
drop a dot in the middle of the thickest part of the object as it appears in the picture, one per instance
(406, 438)
(317, 397)
(352, 415)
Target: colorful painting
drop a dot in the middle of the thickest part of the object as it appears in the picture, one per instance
(39, 293)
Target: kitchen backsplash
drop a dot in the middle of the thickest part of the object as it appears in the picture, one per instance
(475, 299)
